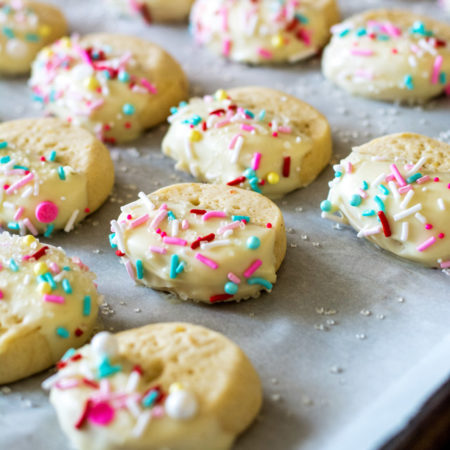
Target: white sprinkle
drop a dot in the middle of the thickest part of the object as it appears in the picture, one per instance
(71, 221)
(175, 226)
(420, 218)
(407, 212)
(412, 61)
(188, 147)
(417, 166)
(206, 245)
(142, 422)
(405, 232)
(9, 205)
(116, 228)
(379, 179)
(133, 381)
(148, 203)
(394, 190)
(333, 217)
(133, 407)
(369, 231)
(237, 149)
(440, 203)
(27, 192)
(407, 199)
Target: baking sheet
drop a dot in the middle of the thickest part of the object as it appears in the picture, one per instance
(349, 333)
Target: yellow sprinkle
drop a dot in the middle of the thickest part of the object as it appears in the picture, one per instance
(40, 268)
(47, 52)
(29, 239)
(221, 95)
(44, 30)
(65, 42)
(277, 41)
(175, 387)
(44, 288)
(195, 136)
(273, 178)
(91, 83)
(180, 329)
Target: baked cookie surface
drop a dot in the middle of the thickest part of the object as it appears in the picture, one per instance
(390, 55)
(48, 304)
(169, 385)
(252, 137)
(27, 27)
(263, 31)
(116, 86)
(395, 191)
(209, 243)
(52, 175)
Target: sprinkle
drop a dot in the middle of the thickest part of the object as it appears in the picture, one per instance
(426, 244)
(208, 262)
(115, 226)
(440, 203)
(423, 179)
(82, 419)
(368, 212)
(264, 53)
(379, 202)
(86, 305)
(231, 288)
(326, 206)
(13, 265)
(130, 269)
(149, 86)
(404, 189)
(394, 190)
(384, 222)
(214, 214)
(18, 184)
(54, 298)
(420, 217)
(260, 281)
(253, 242)
(254, 266)
(62, 332)
(361, 52)
(3, 144)
(236, 181)
(445, 264)
(158, 219)
(355, 200)
(237, 149)
(231, 226)
(208, 238)
(397, 175)
(173, 266)
(408, 80)
(245, 219)
(407, 199)
(70, 223)
(407, 212)
(234, 278)
(379, 179)
(66, 286)
(220, 298)
(61, 173)
(256, 160)
(413, 178)
(405, 232)
(139, 269)
(128, 109)
(143, 420)
(198, 212)
(286, 166)
(150, 206)
(370, 231)
(418, 165)
(139, 221)
(174, 241)
(436, 69)
(160, 250)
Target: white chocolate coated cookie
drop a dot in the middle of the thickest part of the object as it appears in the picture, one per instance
(390, 55)
(264, 31)
(155, 10)
(169, 385)
(209, 243)
(116, 86)
(253, 137)
(26, 27)
(48, 304)
(395, 191)
(52, 175)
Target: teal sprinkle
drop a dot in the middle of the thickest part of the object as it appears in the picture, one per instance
(355, 200)
(37, 98)
(17, 166)
(5, 159)
(106, 74)
(49, 230)
(13, 265)
(443, 78)
(41, 279)
(183, 104)
(68, 354)
(261, 281)
(301, 18)
(52, 96)
(253, 242)
(409, 82)
(50, 280)
(66, 286)
(361, 32)
(414, 177)
(61, 173)
(383, 37)
(52, 156)
(380, 203)
(338, 174)
(246, 218)
(368, 212)
(123, 76)
(254, 185)
(173, 110)
(139, 269)
(32, 37)
(173, 266)
(105, 369)
(149, 400)
(171, 215)
(66, 268)
(249, 173)
(128, 109)
(326, 206)
(194, 120)
(231, 288)
(249, 113)
(8, 32)
(86, 305)
(262, 115)
(419, 28)
(344, 33)
(180, 267)
(14, 226)
(3, 144)
(111, 243)
(62, 332)
(365, 185)
(384, 190)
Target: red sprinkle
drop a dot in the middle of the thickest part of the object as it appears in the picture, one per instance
(236, 181)
(42, 158)
(208, 238)
(79, 332)
(137, 368)
(217, 112)
(91, 383)
(199, 212)
(269, 225)
(119, 253)
(441, 235)
(80, 422)
(384, 222)
(219, 298)
(40, 253)
(144, 11)
(286, 166)
(204, 126)
(87, 210)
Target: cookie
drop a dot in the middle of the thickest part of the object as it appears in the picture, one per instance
(155, 10)
(114, 85)
(253, 137)
(52, 175)
(395, 191)
(27, 27)
(264, 31)
(168, 385)
(209, 243)
(390, 55)
(48, 304)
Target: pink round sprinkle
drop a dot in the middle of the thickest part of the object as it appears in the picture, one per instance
(436, 179)
(129, 216)
(428, 226)
(46, 212)
(1, 295)
(269, 225)
(101, 414)
(441, 235)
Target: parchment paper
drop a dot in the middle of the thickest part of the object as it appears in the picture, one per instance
(346, 323)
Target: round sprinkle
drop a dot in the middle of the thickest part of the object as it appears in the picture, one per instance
(441, 235)
(269, 225)
(355, 200)
(128, 109)
(428, 226)
(253, 242)
(101, 414)
(326, 206)
(273, 178)
(231, 288)
(123, 76)
(46, 212)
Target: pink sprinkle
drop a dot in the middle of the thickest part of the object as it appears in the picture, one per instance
(305, 36)
(211, 214)
(398, 175)
(69, 383)
(404, 189)
(445, 264)
(163, 207)
(158, 219)
(160, 250)
(130, 269)
(139, 221)
(447, 90)
(362, 73)
(254, 266)
(54, 267)
(362, 193)
(264, 53)
(247, 127)
(285, 129)
(428, 226)
(222, 123)
(256, 160)
(184, 225)
(1, 295)
(83, 53)
(174, 241)
(53, 298)
(233, 141)
(436, 69)
(149, 86)
(234, 278)
(424, 179)
(18, 213)
(226, 47)
(208, 262)
(392, 30)
(428, 243)
(22, 182)
(101, 414)
(390, 177)
(158, 412)
(230, 226)
(349, 167)
(361, 52)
